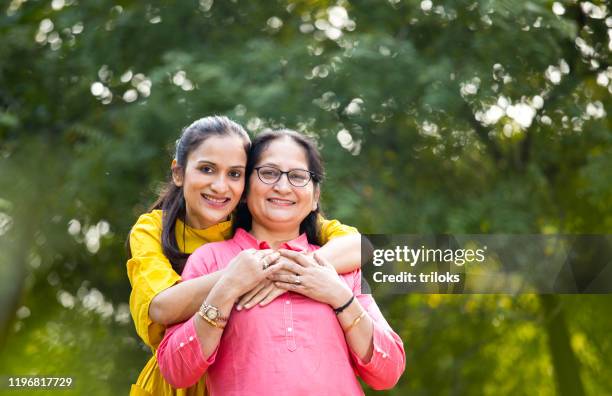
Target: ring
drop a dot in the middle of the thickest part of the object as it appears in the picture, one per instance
(265, 264)
(297, 280)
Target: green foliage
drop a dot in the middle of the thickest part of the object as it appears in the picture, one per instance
(401, 96)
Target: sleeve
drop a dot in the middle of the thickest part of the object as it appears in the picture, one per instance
(331, 229)
(388, 360)
(180, 357)
(149, 272)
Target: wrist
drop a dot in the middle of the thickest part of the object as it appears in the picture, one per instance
(341, 298)
(227, 287)
(223, 293)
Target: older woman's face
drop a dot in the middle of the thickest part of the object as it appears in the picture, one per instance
(281, 205)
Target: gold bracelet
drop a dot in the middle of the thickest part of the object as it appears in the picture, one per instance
(211, 322)
(355, 322)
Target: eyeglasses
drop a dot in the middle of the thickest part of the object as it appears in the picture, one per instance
(296, 177)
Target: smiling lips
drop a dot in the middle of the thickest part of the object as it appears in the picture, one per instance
(217, 202)
(280, 201)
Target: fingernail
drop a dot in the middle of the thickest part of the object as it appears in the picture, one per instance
(248, 306)
(238, 307)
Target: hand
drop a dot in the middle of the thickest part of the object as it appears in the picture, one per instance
(263, 294)
(312, 277)
(266, 291)
(248, 269)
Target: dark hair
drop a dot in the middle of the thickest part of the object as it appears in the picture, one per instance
(171, 199)
(261, 142)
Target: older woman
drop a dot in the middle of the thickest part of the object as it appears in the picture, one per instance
(307, 342)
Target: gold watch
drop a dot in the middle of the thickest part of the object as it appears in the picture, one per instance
(212, 315)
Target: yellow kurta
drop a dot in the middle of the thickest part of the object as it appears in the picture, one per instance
(150, 272)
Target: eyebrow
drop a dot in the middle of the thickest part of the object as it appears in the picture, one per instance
(274, 165)
(212, 163)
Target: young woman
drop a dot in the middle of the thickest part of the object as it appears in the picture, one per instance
(206, 185)
(307, 342)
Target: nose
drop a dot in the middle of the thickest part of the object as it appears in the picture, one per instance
(283, 185)
(219, 185)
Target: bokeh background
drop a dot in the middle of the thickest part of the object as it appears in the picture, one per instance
(434, 116)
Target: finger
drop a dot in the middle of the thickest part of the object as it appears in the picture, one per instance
(290, 287)
(258, 254)
(283, 259)
(276, 292)
(268, 252)
(284, 278)
(247, 297)
(263, 293)
(287, 266)
(298, 257)
(284, 272)
(321, 261)
(269, 260)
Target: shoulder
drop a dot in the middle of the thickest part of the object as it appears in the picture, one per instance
(150, 219)
(145, 234)
(331, 228)
(148, 223)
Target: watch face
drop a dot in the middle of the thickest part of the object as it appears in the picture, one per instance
(211, 313)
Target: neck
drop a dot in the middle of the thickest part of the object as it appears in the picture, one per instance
(194, 222)
(274, 237)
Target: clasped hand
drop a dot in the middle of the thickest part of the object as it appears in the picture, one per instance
(306, 274)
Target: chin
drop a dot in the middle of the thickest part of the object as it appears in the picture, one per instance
(284, 220)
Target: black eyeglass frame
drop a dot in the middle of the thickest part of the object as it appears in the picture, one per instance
(311, 174)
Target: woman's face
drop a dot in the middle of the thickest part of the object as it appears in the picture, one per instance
(281, 206)
(213, 180)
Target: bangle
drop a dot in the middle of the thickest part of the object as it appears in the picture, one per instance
(355, 322)
(343, 307)
(211, 322)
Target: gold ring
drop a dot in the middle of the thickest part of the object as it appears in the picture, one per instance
(297, 280)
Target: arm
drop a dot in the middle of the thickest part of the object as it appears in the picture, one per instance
(188, 349)
(341, 245)
(344, 253)
(376, 350)
(179, 302)
(157, 298)
(149, 272)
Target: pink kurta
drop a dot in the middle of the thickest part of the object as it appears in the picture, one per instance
(293, 346)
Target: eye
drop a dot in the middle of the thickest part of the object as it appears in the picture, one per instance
(299, 177)
(269, 173)
(207, 169)
(235, 174)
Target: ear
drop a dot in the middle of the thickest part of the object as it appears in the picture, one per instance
(315, 199)
(177, 174)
